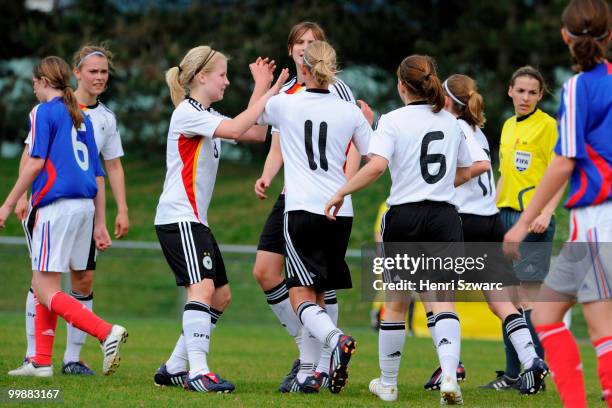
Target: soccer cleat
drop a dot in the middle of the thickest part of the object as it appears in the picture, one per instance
(163, 378)
(76, 368)
(436, 377)
(30, 369)
(210, 382)
(288, 381)
(450, 393)
(384, 392)
(531, 380)
(322, 379)
(311, 385)
(110, 348)
(340, 357)
(502, 382)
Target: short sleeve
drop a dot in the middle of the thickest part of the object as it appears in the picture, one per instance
(464, 159)
(363, 134)
(476, 151)
(112, 149)
(271, 113)
(343, 91)
(199, 123)
(571, 120)
(40, 132)
(382, 142)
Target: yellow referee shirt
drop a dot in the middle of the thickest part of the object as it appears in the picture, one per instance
(525, 151)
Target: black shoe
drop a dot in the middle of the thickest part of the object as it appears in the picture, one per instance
(210, 382)
(531, 380)
(164, 378)
(311, 385)
(288, 381)
(340, 357)
(436, 378)
(502, 382)
(76, 368)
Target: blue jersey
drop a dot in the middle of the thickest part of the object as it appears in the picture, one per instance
(70, 155)
(585, 134)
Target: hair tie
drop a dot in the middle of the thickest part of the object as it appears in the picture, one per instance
(426, 77)
(449, 93)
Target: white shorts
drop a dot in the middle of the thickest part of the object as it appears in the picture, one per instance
(584, 267)
(61, 237)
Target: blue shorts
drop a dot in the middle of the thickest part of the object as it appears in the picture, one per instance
(535, 258)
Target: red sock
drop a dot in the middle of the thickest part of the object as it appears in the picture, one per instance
(79, 316)
(45, 323)
(603, 347)
(564, 359)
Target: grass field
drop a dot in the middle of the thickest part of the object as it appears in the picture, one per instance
(256, 357)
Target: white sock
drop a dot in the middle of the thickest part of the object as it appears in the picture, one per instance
(318, 323)
(178, 361)
(391, 338)
(196, 328)
(448, 335)
(331, 305)
(519, 335)
(30, 314)
(309, 355)
(75, 338)
(215, 315)
(431, 325)
(278, 300)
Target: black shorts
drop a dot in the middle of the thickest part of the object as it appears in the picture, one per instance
(192, 253)
(425, 221)
(271, 238)
(489, 231)
(315, 249)
(428, 227)
(28, 229)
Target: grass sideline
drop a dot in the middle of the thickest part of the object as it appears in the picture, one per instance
(256, 366)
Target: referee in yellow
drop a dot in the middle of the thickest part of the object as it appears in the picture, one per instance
(526, 149)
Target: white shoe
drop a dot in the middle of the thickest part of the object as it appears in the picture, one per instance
(384, 392)
(28, 369)
(450, 393)
(110, 348)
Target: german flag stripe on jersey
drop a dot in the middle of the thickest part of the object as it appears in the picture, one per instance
(189, 150)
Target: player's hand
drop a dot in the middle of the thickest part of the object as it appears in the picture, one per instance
(261, 186)
(282, 78)
(368, 113)
(541, 223)
(335, 203)
(262, 70)
(122, 225)
(21, 209)
(5, 212)
(513, 239)
(102, 237)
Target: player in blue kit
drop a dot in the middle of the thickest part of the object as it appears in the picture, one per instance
(66, 178)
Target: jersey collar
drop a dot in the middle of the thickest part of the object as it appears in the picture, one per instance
(524, 117)
(197, 104)
(417, 103)
(317, 90)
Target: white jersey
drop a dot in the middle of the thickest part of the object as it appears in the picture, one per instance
(108, 140)
(477, 196)
(424, 150)
(192, 160)
(316, 129)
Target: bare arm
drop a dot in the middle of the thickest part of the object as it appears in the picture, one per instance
(30, 170)
(100, 234)
(364, 177)
(353, 160)
(21, 208)
(116, 178)
(479, 167)
(274, 162)
(462, 176)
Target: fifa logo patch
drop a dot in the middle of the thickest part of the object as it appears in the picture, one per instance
(522, 160)
(207, 261)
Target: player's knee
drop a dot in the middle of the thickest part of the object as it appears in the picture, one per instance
(82, 282)
(222, 299)
(259, 273)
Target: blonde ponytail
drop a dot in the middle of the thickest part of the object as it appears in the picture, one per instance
(320, 58)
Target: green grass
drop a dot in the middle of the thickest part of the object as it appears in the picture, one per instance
(235, 215)
(256, 357)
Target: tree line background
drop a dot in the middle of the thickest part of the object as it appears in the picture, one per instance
(487, 40)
